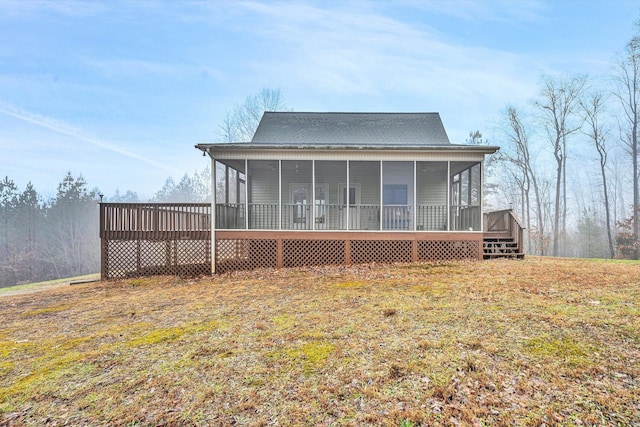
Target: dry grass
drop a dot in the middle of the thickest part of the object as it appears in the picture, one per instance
(536, 342)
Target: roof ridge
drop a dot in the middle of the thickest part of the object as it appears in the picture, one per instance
(353, 112)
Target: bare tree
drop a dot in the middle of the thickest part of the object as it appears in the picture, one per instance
(627, 78)
(592, 110)
(559, 98)
(241, 124)
(519, 156)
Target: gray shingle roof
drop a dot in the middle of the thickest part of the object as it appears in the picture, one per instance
(394, 129)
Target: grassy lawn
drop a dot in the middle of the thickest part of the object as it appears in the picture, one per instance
(541, 341)
(37, 286)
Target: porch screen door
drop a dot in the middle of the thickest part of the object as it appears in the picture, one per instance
(354, 206)
(300, 195)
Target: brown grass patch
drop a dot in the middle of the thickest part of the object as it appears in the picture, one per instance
(540, 341)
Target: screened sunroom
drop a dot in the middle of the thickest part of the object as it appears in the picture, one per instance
(341, 188)
(357, 195)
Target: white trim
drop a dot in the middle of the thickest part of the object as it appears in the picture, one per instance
(212, 218)
(279, 194)
(449, 196)
(481, 184)
(340, 194)
(415, 195)
(313, 195)
(246, 194)
(363, 155)
(381, 193)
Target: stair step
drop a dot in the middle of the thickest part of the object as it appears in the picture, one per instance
(504, 255)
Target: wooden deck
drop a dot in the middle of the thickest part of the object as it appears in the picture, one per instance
(142, 239)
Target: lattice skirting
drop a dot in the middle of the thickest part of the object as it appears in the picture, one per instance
(135, 258)
(446, 250)
(296, 253)
(248, 254)
(245, 254)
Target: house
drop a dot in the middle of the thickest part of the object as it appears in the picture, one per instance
(318, 189)
(342, 188)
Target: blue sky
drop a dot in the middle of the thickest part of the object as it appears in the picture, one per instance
(121, 91)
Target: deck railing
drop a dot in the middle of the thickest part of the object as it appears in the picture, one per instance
(431, 217)
(504, 224)
(466, 218)
(139, 239)
(230, 216)
(266, 216)
(122, 221)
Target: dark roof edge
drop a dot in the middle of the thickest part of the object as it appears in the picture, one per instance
(343, 147)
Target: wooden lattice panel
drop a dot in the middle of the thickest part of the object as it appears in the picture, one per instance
(245, 254)
(154, 253)
(436, 250)
(385, 251)
(191, 257)
(298, 253)
(120, 258)
(135, 258)
(189, 252)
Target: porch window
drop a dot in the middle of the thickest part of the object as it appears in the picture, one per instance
(466, 209)
(230, 179)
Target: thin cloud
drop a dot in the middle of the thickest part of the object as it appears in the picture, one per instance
(66, 129)
(501, 11)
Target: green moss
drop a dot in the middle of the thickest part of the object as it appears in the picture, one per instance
(6, 366)
(350, 285)
(284, 321)
(142, 281)
(312, 354)
(45, 310)
(157, 336)
(559, 349)
(45, 370)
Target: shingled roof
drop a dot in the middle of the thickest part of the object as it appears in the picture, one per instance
(392, 129)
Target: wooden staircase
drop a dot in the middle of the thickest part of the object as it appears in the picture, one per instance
(503, 237)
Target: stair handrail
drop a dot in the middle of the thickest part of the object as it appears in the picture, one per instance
(514, 226)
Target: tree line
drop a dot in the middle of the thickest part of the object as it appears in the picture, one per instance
(569, 160)
(49, 239)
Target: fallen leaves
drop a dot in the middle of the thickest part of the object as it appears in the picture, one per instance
(540, 341)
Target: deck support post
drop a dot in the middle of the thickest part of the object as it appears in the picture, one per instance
(279, 254)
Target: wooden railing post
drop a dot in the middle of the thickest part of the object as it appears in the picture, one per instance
(103, 243)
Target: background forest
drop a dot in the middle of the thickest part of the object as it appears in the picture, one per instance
(567, 165)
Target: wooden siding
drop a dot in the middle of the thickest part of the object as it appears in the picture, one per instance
(431, 185)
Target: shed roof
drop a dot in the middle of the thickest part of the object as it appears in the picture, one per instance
(368, 129)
